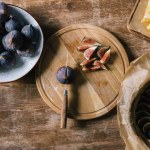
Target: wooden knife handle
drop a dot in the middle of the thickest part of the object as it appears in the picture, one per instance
(64, 110)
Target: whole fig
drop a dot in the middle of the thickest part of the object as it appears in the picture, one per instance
(12, 24)
(65, 75)
(29, 32)
(27, 50)
(13, 41)
(3, 12)
(7, 60)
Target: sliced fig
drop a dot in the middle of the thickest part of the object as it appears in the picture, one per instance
(85, 69)
(93, 68)
(106, 57)
(82, 48)
(89, 52)
(90, 41)
(97, 62)
(101, 52)
(87, 62)
(104, 67)
(98, 66)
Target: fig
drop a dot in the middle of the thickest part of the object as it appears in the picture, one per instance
(90, 41)
(3, 12)
(85, 69)
(65, 75)
(27, 50)
(12, 24)
(87, 62)
(96, 62)
(89, 52)
(29, 32)
(13, 40)
(7, 60)
(83, 47)
(101, 52)
(106, 57)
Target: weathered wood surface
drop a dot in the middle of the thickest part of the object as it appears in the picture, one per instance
(26, 122)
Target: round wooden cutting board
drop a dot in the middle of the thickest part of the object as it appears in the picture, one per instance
(92, 94)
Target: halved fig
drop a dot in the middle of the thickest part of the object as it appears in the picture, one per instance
(106, 57)
(87, 62)
(90, 41)
(82, 48)
(101, 52)
(89, 52)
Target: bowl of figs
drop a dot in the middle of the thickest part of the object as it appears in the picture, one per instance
(21, 42)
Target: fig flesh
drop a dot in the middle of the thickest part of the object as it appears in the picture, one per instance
(90, 41)
(83, 47)
(89, 52)
(87, 62)
(106, 57)
(101, 52)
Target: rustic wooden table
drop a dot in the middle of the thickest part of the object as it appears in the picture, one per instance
(26, 122)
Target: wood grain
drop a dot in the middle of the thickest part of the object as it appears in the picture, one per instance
(26, 122)
(91, 94)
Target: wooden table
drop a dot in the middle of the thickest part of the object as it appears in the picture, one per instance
(26, 122)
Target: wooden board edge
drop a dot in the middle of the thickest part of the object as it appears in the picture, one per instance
(90, 115)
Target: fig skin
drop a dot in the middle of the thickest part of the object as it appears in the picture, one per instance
(12, 24)
(29, 32)
(3, 12)
(65, 75)
(27, 50)
(7, 60)
(13, 41)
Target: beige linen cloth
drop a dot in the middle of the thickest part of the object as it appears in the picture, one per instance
(137, 75)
